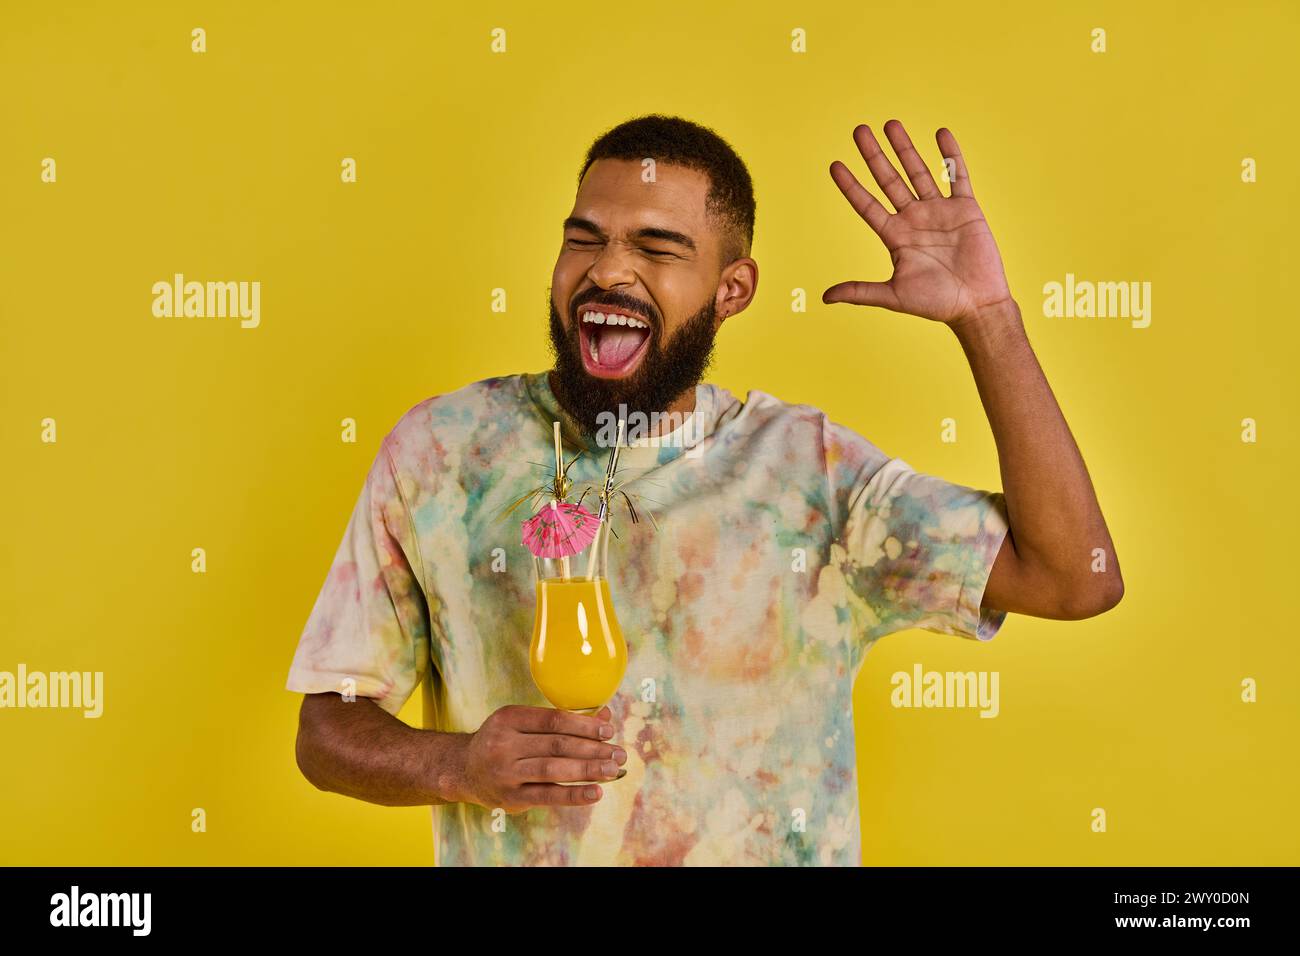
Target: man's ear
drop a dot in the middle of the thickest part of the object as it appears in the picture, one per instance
(737, 285)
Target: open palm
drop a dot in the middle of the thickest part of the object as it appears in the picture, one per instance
(946, 264)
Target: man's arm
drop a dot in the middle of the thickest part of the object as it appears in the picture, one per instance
(947, 268)
(521, 757)
(358, 749)
(1045, 565)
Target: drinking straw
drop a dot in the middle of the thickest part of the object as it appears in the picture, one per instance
(559, 474)
(601, 522)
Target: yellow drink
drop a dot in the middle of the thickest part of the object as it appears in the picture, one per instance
(577, 656)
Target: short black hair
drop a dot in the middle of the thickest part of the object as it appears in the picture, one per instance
(679, 142)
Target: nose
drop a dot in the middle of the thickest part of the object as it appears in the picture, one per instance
(612, 267)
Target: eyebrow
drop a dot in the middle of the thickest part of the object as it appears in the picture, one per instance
(649, 232)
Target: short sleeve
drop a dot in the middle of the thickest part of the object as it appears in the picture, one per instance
(369, 629)
(919, 551)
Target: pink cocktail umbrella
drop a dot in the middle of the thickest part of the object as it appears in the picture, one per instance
(559, 530)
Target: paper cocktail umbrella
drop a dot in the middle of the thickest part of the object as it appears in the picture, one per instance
(559, 530)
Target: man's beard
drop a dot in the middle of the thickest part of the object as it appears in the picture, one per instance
(664, 373)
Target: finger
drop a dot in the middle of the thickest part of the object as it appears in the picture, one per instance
(563, 770)
(557, 794)
(881, 168)
(548, 720)
(563, 745)
(863, 293)
(955, 164)
(859, 198)
(917, 172)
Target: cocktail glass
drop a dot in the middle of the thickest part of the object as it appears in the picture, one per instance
(577, 656)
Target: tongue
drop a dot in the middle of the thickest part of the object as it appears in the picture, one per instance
(617, 343)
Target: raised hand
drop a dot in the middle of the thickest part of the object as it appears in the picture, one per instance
(946, 264)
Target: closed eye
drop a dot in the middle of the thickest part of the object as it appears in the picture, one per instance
(588, 243)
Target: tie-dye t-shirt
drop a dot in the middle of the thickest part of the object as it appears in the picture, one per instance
(787, 544)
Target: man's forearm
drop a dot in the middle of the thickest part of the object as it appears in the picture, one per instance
(358, 749)
(1056, 521)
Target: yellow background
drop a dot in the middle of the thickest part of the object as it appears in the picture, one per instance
(183, 433)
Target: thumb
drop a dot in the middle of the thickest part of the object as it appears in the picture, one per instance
(862, 293)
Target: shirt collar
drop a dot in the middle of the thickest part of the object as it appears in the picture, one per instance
(643, 454)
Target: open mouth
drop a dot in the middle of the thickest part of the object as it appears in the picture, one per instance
(612, 342)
